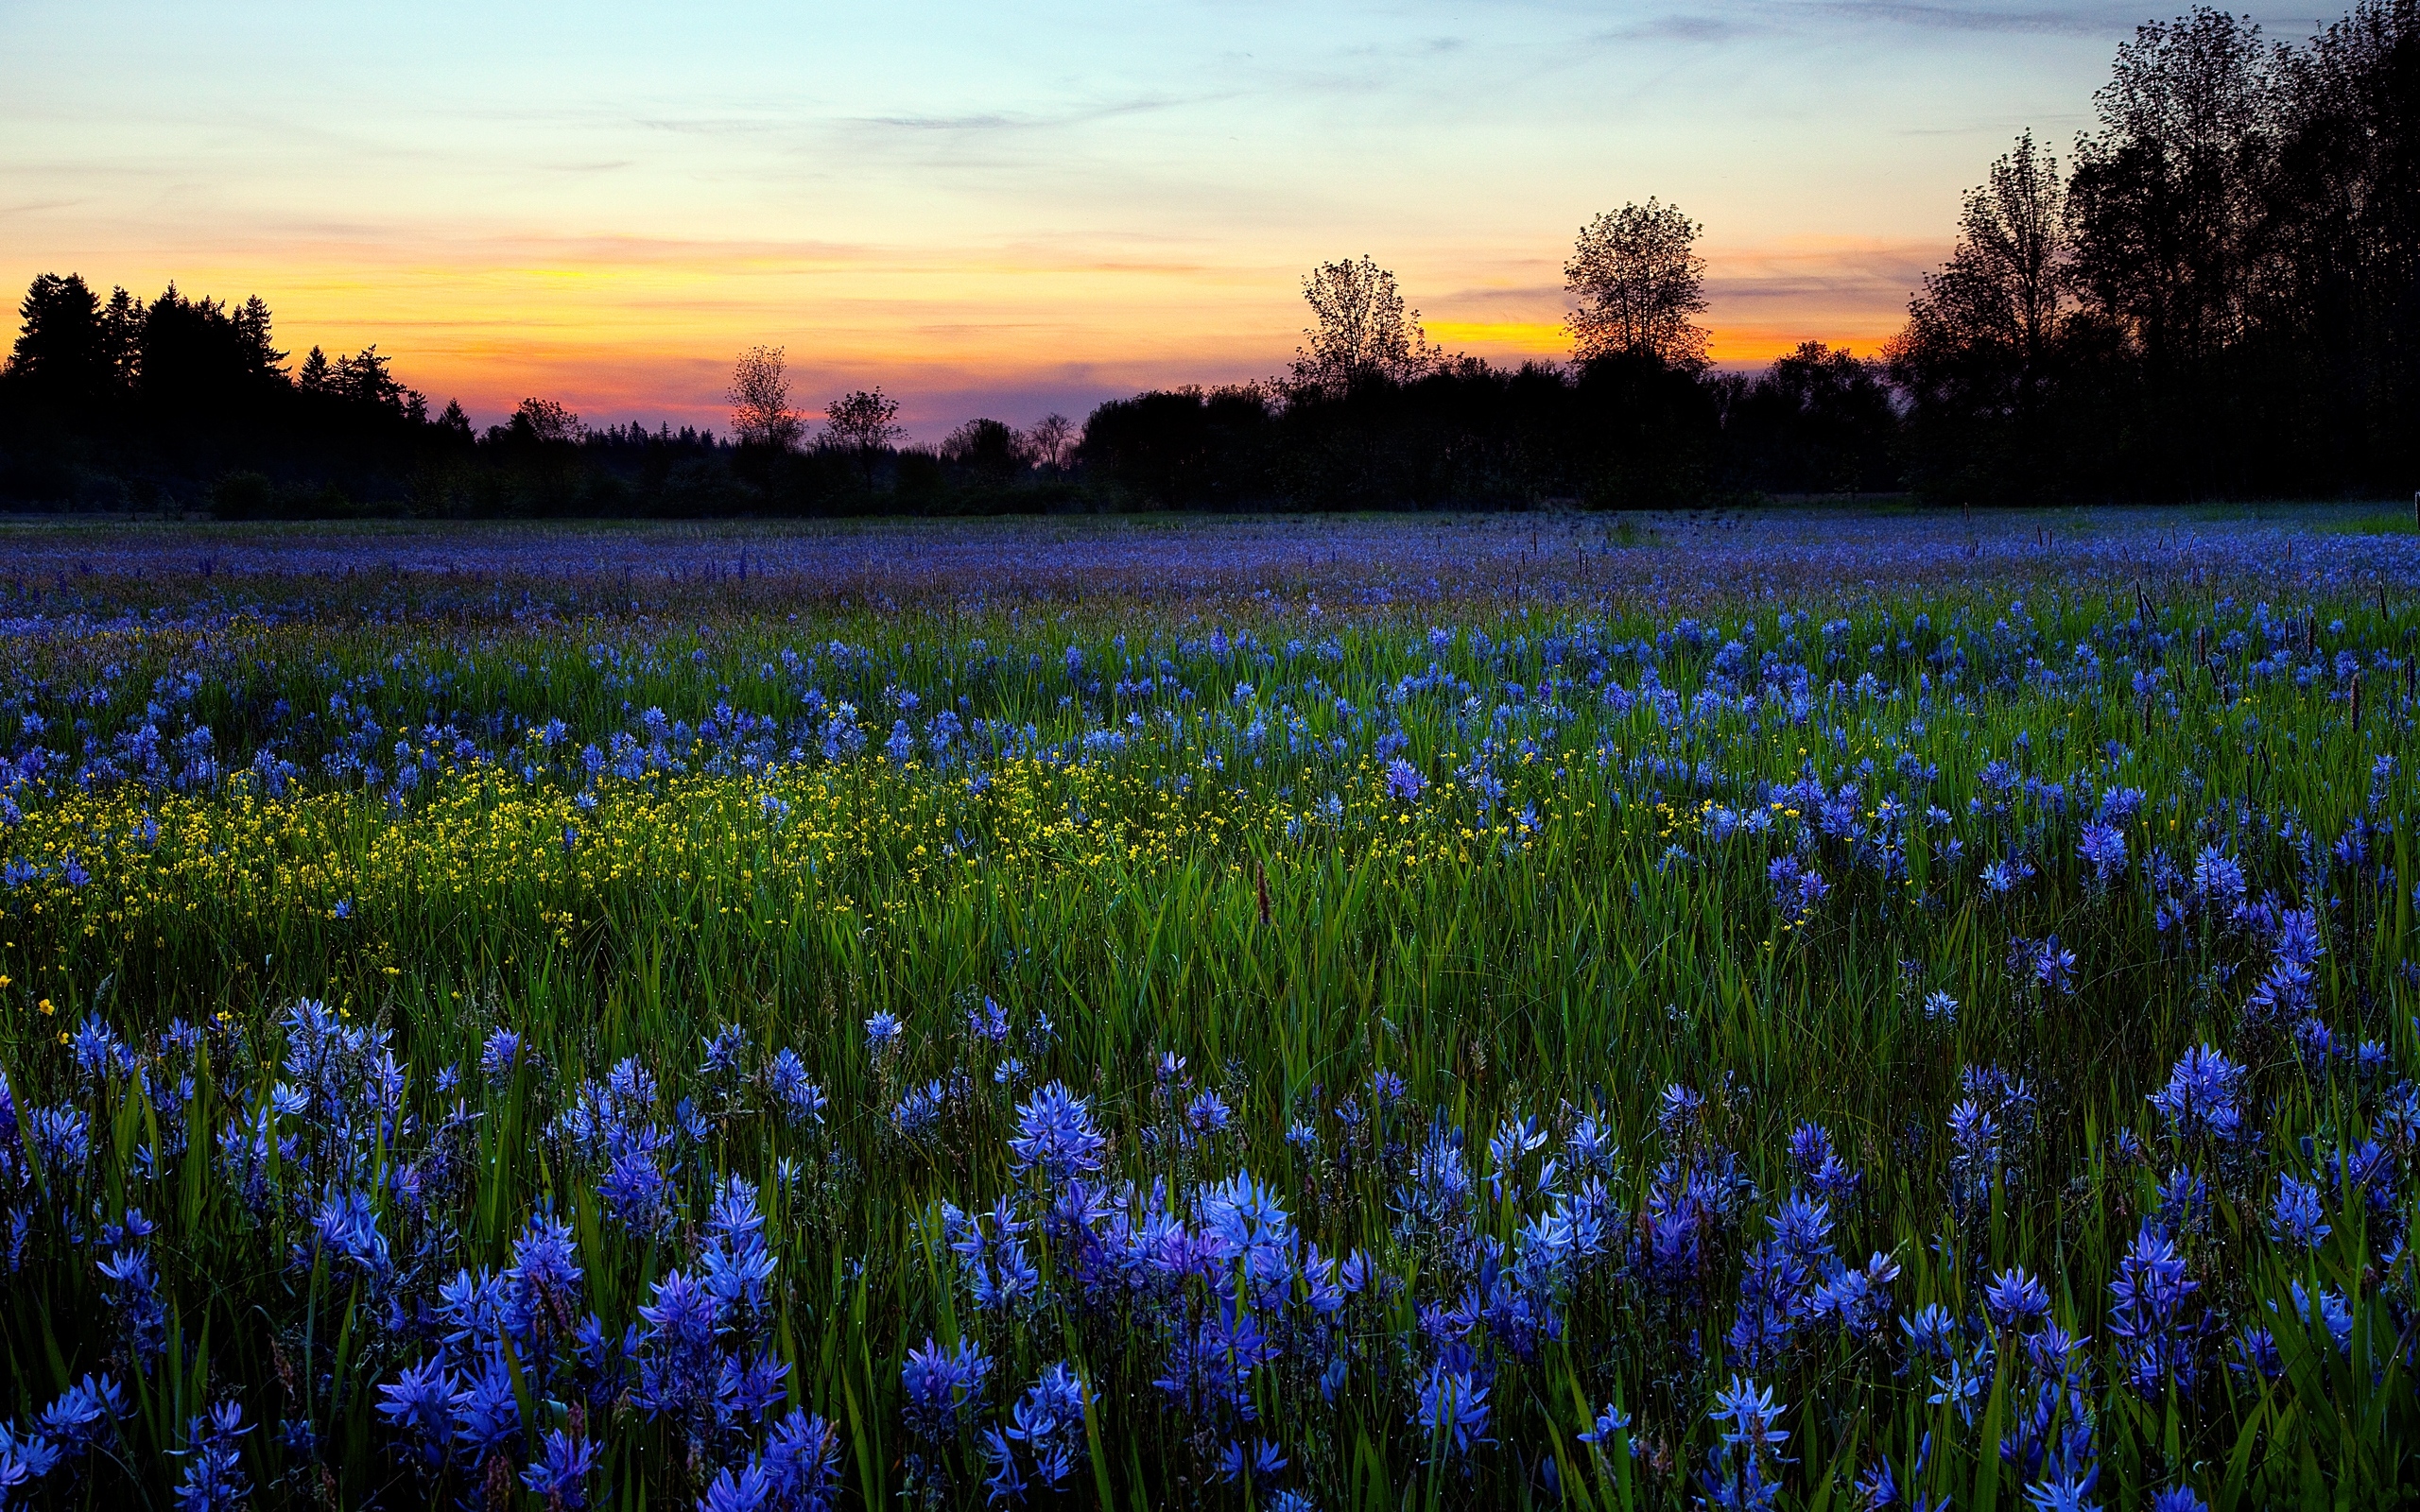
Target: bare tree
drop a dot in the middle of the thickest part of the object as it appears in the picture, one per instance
(863, 422)
(1360, 329)
(760, 401)
(1051, 441)
(1639, 278)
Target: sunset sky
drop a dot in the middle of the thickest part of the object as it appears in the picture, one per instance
(991, 209)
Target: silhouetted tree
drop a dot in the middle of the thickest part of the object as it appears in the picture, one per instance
(862, 423)
(2164, 200)
(543, 422)
(1644, 432)
(989, 448)
(760, 401)
(364, 381)
(2339, 288)
(1992, 312)
(1051, 442)
(1184, 446)
(61, 357)
(122, 341)
(262, 362)
(1639, 278)
(2166, 218)
(200, 362)
(1359, 329)
(1820, 420)
(1987, 336)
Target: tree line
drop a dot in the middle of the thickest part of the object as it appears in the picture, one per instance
(2215, 293)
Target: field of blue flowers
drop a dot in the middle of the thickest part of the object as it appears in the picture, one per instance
(1790, 1010)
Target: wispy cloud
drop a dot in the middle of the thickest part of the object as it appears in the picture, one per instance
(2055, 21)
(1685, 27)
(1084, 114)
(968, 204)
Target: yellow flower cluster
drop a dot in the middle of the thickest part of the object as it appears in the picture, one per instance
(515, 865)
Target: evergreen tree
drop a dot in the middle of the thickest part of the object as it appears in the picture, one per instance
(60, 356)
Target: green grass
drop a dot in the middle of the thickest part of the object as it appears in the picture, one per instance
(1192, 896)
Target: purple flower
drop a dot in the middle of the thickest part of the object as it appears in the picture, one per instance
(679, 1360)
(500, 1055)
(2297, 1220)
(2202, 1100)
(723, 1053)
(487, 1414)
(2065, 1493)
(1264, 1459)
(803, 1462)
(83, 1416)
(2103, 846)
(2298, 943)
(214, 1481)
(1452, 1410)
(742, 1490)
(1745, 1469)
(2054, 966)
(420, 1404)
(560, 1473)
(2155, 1337)
(1055, 1136)
(1404, 783)
(134, 1291)
(940, 1385)
(1611, 1424)
(736, 1262)
(800, 1099)
(2016, 1299)
(2218, 881)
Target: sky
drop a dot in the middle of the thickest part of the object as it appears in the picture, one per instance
(989, 209)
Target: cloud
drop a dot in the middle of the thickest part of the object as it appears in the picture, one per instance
(1083, 115)
(1684, 27)
(2056, 21)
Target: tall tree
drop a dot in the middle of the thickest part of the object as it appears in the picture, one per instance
(188, 364)
(1051, 441)
(1820, 419)
(264, 365)
(544, 423)
(122, 321)
(2339, 275)
(2164, 202)
(61, 354)
(1639, 278)
(364, 382)
(990, 448)
(1979, 334)
(760, 401)
(1359, 329)
(862, 423)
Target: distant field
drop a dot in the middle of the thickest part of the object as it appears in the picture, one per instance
(1818, 1007)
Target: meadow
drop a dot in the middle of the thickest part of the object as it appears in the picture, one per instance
(1807, 1009)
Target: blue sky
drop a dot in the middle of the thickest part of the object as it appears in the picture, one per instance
(987, 209)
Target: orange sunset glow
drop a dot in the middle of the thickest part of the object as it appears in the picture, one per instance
(985, 214)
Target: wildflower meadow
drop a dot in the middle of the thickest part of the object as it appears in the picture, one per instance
(1813, 1010)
